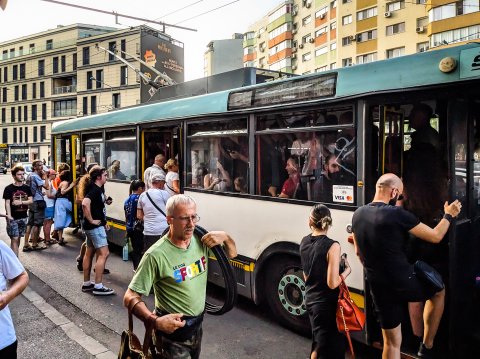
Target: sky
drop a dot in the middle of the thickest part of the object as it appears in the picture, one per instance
(25, 17)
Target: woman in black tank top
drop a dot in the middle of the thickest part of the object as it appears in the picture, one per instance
(320, 257)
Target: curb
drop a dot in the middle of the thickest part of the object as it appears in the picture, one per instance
(91, 345)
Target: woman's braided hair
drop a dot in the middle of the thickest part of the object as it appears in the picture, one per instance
(322, 219)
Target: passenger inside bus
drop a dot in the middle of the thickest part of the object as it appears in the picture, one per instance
(291, 184)
(114, 171)
(240, 185)
(345, 148)
(323, 186)
(218, 180)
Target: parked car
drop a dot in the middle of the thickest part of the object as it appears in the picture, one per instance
(27, 166)
(3, 170)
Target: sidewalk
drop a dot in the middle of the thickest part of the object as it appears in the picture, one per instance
(43, 332)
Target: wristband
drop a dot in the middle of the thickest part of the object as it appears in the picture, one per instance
(448, 217)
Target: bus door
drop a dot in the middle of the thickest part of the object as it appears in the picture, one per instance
(464, 275)
(164, 141)
(67, 151)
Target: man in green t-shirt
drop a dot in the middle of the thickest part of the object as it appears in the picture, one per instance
(177, 266)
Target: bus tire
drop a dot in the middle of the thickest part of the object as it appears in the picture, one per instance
(285, 293)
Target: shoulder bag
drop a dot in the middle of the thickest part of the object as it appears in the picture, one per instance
(154, 205)
(130, 347)
(349, 316)
(428, 275)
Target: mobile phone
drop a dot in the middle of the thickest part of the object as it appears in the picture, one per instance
(342, 262)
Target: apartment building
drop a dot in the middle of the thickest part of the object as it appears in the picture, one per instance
(64, 73)
(304, 36)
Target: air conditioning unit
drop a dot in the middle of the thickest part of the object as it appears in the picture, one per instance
(294, 56)
(387, 14)
(352, 38)
(300, 46)
(262, 49)
(294, 12)
(323, 16)
(308, 5)
(311, 40)
(294, 67)
(294, 32)
(420, 29)
(294, 49)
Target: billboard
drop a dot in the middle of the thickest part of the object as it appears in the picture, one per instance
(158, 51)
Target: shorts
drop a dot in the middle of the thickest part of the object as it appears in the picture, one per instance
(97, 237)
(16, 228)
(389, 302)
(36, 214)
(49, 212)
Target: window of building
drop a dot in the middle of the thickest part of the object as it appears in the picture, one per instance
(22, 71)
(85, 106)
(306, 20)
(19, 113)
(4, 116)
(89, 80)
(44, 111)
(363, 59)
(99, 79)
(321, 51)
(21, 134)
(333, 46)
(423, 46)
(280, 47)
(43, 133)
(307, 57)
(322, 13)
(347, 62)
(333, 66)
(112, 47)
(25, 116)
(280, 30)
(249, 35)
(35, 134)
(443, 12)
(4, 54)
(346, 1)
(14, 72)
(248, 50)
(49, 45)
(34, 112)
(395, 29)
(41, 67)
(333, 25)
(321, 31)
(16, 91)
(333, 4)
(42, 89)
(12, 53)
(15, 140)
(367, 13)
(12, 114)
(64, 108)
(347, 40)
(399, 51)
(20, 51)
(287, 9)
(397, 5)
(93, 104)
(5, 97)
(86, 56)
(116, 100)
(74, 62)
(63, 63)
(124, 75)
(4, 133)
(26, 134)
(367, 35)
(24, 91)
(55, 65)
(5, 74)
(34, 90)
(422, 21)
(31, 49)
(321, 68)
(306, 39)
(123, 47)
(452, 36)
(347, 20)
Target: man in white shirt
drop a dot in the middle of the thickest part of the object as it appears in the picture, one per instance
(154, 221)
(156, 168)
(11, 270)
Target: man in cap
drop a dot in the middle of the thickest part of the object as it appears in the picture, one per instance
(151, 210)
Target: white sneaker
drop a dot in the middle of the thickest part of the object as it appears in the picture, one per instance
(103, 291)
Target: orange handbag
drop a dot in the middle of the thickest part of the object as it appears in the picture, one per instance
(349, 316)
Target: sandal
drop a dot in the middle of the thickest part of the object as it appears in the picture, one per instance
(27, 248)
(51, 241)
(62, 242)
(39, 248)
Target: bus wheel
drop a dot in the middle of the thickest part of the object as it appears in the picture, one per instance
(285, 294)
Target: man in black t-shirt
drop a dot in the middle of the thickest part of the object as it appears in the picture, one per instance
(17, 197)
(95, 227)
(380, 231)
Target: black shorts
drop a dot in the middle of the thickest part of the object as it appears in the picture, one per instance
(389, 301)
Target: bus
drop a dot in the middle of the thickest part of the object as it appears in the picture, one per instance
(257, 158)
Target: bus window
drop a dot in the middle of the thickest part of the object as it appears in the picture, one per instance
(120, 149)
(218, 156)
(317, 164)
(93, 148)
(476, 157)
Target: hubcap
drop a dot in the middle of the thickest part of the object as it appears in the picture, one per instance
(291, 292)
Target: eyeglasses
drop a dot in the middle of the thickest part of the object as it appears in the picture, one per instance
(194, 219)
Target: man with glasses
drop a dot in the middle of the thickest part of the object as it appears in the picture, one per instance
(17, 197)
(177, 266)
(380, 232)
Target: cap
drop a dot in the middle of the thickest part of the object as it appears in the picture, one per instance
(158, 177)
(51, 172)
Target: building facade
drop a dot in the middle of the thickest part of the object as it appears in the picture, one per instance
(305, 36)
(63, 73)
(223, 55)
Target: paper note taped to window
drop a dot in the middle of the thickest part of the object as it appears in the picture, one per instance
(342, 194)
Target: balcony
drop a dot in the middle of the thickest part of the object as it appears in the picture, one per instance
(64, 89)
(65, 112)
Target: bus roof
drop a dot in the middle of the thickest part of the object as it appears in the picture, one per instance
(405, 72)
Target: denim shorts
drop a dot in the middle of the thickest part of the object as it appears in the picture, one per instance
(17, 227)
(97, 237)
(49, 212)
(36, 213)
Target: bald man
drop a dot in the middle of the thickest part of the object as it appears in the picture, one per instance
(380, 231)
(155, 169)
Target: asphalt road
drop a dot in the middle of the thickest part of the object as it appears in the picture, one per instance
(245, 332)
